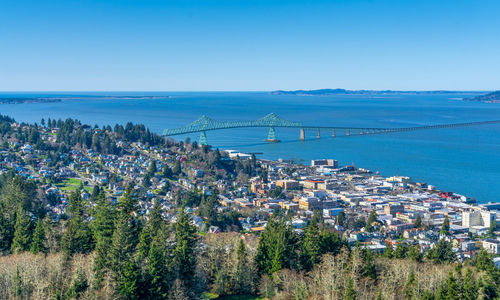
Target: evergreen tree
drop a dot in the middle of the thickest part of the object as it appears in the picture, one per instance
(22, 233)
(123, 245)
(77, 237)
(469, 286)
(167, 172)
(441, 253)
(311, 247)
(102, 229)
(243, 277)
(152, 167)
(401, 250)
(277, 247)
(414, 253)
(388, 251)
(184, 252)
(445, 229)
(177, 170)
(38, 243)
(128, 283)
(369, 222)
(418, 222)
(157, 272)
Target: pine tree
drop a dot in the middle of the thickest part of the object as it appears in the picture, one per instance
(369, 222)
(445, 229)
(311, 247)
(277, 247)
(418, 222)
(157, 271)
(128, 282)
(102, 229)
(177, 168)
(38, 243)
(243, 276)
(184, 252)
(22, 233)
(152, 167)
(77, 237)
(123, 246)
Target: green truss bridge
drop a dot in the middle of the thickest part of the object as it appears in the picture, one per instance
(272, 121)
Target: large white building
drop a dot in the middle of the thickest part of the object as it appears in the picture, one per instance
(477, 218)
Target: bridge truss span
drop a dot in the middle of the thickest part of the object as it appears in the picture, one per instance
(272, 120)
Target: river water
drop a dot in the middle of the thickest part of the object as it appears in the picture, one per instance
(465, 160)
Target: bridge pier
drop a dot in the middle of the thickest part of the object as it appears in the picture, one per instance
(348, 132)
(203, 138)
(317, 134)
(302, 134)
(271, 136)
(333, 133)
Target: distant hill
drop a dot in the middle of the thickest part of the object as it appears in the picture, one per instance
(493, 97)
(328, 92)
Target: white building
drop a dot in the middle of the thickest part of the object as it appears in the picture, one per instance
(477, 218)
(491, 246)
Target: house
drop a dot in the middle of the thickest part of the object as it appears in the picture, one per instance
(491, 246)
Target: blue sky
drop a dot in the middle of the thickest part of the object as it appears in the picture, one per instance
(193, 45)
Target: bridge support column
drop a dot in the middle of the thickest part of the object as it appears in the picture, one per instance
(203, 138)
(317, 134)
(302, 134)
(333, 133)
(271, 136)
(348, 132)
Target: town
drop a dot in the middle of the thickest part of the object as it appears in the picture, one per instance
(366, 209)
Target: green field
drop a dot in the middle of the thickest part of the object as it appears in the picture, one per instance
(71, 184)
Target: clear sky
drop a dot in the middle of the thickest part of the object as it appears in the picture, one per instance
(192, 45)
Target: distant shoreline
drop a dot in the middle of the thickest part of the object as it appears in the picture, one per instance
(331, 92)
(20, 100)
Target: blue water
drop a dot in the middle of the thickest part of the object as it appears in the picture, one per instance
(464, 160)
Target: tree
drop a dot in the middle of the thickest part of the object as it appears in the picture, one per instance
(243, 273)
(123, 245)
(157, 272)
(22, 233)
(418, 222)
(311, 247)
(38, 243)
(401, 250)
(77, 237)
(128, 282)
(167, 172)
(177, 170)
(152, 167)
(442, 252)
(184, 252)
(277, 247)
(491, 230)
(369, 222)
(414, 253)
(350, 292)
(102, 230)
(445, 229)
(469, 286)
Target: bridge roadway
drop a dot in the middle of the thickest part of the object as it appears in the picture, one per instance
(271, 121)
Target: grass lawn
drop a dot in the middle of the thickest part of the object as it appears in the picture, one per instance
(71, 184)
